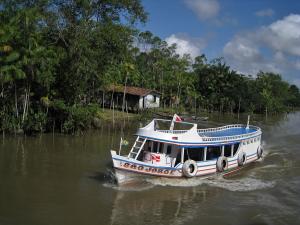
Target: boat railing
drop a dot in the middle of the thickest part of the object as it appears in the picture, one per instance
(172, 131)
(209, 139)
(220, 128)
(202, 133)
(228, 138)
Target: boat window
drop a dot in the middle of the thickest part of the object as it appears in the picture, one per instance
(213, 152)
(155, 145)
(161, 148)
(147, 146)
(227, 150)
(235, 147)
(178, 158)
(169, 149)
(196, 154)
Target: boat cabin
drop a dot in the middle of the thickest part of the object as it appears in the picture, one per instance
(164, 154)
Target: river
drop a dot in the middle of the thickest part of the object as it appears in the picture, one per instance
(67, 180)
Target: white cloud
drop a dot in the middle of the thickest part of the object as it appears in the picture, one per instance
(204, 9)
(242, 49)
(244, 55)
(273, 48)
(265, 13)
(279, 57)
(283, 35)
(186, 44)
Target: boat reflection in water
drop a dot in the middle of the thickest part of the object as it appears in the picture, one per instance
(161, 205)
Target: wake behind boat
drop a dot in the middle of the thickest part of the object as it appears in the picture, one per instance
(183, 151)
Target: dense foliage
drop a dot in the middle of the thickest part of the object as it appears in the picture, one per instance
(58, 57)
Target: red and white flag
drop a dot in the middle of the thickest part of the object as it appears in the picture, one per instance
(155, 157)
(176, 118)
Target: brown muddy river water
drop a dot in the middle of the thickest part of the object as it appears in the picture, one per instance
(67, 180)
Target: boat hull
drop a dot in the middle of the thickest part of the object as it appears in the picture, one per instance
(127, 169)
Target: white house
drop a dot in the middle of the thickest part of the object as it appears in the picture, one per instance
(136, 97)
(149, 100)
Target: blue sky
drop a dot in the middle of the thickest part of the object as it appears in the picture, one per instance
(251, 35)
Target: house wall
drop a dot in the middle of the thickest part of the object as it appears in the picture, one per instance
(148, 101)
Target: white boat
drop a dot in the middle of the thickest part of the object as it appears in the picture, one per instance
(187, 151)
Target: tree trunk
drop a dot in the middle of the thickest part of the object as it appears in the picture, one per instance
(113, 112)
(127, 110)
(117, 105)
(124, 94)
(2, 91)
(178, 93)
(171, 104)
(111, 100)
(16, 101)
(26, 103)
(103, 101)
(195, 105)
(239, 108)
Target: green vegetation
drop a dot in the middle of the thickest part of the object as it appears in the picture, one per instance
(58, 57)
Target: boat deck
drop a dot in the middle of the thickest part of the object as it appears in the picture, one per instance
(228, 132)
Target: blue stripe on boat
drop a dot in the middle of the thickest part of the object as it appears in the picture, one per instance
(229, 132)
(201, 144)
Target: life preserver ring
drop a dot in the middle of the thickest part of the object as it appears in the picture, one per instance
(190, 168)
(241, 158)
(222, 164)
(259, 152)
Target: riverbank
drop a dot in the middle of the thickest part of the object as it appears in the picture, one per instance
(76, 119)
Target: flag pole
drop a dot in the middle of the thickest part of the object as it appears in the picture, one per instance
(172, 123)
(121, 141)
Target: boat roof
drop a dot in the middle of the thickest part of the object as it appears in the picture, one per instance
(229, 131)
(198, 137)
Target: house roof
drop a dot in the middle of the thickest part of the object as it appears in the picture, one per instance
(132, 90)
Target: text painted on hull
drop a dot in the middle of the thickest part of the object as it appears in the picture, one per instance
(145, 169)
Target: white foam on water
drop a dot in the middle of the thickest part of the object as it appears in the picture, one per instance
(276, 153)
(176, 182)
(243, 184)
(270, 166)
(130, 186)
(249, 183)
(128, 182)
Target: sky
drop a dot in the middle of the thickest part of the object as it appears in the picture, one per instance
(251, 35)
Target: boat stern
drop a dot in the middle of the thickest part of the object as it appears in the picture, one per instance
(116, 163)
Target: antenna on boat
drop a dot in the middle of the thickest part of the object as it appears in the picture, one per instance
(247, 127)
